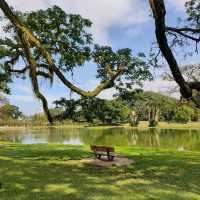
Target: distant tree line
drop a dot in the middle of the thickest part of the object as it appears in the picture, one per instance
(126, 107)
(93, 110)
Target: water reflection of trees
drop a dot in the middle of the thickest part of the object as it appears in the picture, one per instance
(188, 139)
(164, 138)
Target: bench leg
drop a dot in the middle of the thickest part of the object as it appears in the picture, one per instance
(99, 156)
(110, 158)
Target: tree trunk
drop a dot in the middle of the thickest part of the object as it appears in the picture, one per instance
(134, 120)
(154, 114)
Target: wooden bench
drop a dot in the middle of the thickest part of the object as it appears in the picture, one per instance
(103, 151)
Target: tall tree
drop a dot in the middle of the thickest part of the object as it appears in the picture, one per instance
(53, 42)
(181, 35)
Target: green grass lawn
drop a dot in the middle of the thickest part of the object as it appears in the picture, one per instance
(53, 172)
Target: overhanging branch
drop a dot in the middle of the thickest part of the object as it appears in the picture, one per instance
(159, 12)
(181, 31)
(51, 65)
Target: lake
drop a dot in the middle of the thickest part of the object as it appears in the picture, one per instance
(180, 139)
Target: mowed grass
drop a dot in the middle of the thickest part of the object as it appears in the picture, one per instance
(53, 172)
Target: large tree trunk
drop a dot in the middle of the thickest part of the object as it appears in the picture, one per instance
(24, 35)
(159, 12)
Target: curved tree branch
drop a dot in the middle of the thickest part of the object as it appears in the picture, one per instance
(181, 31)
(104, 85)
(24, 36)
(185, 29)
(36, 42)
(159, 12)
(28, 40)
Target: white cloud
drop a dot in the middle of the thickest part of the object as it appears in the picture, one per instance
(107, 94)
(177, 4)
(161, 86)
(132, 32)
(24, 89)
(22, 98)
(103, 14)
(25, 5)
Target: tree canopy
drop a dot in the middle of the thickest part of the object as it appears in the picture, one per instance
(149, 105)
(48, 42)
(9, 111)
(93, 110)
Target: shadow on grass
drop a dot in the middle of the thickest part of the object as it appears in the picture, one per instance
(46, 172)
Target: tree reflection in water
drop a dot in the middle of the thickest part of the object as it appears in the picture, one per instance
(180, 139)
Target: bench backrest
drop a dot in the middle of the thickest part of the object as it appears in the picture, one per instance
(102, 148)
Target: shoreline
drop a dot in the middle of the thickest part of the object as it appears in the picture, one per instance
(142, 125)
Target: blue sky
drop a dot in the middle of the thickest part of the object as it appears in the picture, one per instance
(118, 23)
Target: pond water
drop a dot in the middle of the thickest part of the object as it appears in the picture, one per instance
(180, 139)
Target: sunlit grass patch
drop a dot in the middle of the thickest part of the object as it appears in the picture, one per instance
(55, 172)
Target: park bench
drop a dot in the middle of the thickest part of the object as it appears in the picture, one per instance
(103, 151)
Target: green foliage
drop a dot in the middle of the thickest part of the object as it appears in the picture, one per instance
(147, 106)
(67, 108)
(193, 12)
(3, 100)
(64, 35)
(143, 102)
(108, 61)
(114, 111)
(153, 123)
(94, 110)
(8, 111)
(67, 39)
(39, 119)
(184, 114)
(58, 43)
(4, 79)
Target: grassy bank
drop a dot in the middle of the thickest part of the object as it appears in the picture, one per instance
(142, 125)
(54, 172)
